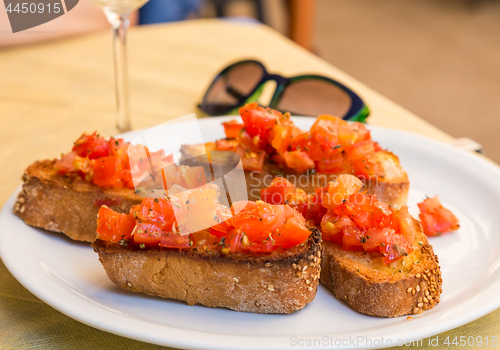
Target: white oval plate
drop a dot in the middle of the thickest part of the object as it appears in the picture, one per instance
(69, 277)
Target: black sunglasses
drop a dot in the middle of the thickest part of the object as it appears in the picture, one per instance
(308, 95)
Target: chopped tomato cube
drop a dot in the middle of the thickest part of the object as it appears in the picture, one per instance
(347, 135)
(206, 241)
(224, 215)
(362, 133)
(339, 190)
(278, 192)
(251, 161)
(353, 239)
(232, 128)
(324, 137)
(298, 160)
(361, 149)
(158, 211)
(226, 145)
(282, 137)
(368, 166)
(397, 248)
(332, 226)
(92, 146)
(256, 221)
(259, 121)
(435, 218)
(70, 162)
(332, 165)
(293, 232)
(377, 238)
(193, 176)
(114, 227)
(266, 246)
(406, 224)
(108, 172)
(148, 234)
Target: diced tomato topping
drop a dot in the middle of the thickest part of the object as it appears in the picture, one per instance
(360, 149)
(347, 135)
(114, 227)
(226, 145)
(148, 234)
(280, 191)
(397, 248)
(368, 166)
(233, 241)
(206, 240)
(353, 239)
(223, 215)
(257, 220)
(362, 133)
(107, 164)
(293, 232)
(155, 210)
(324, 139)
(232, 128)
(332, 226)
(435, 218)
(259, 121)
(332, 165)
(72, 163)
(281, 137)
(256, 227)
(340, 190)
(92, 146)
(361, 222)
(252, 161)
(315, 209)
(107, 172)
(406, 225)
(298, 160)
(193, 176)
(377, 238)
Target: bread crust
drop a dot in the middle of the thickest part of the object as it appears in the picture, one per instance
(259, 283)
(379, 293)
(68, 205)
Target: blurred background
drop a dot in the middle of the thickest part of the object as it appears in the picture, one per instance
(440, 59)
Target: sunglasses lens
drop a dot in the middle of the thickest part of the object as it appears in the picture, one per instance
(313, 97)
(232, 88)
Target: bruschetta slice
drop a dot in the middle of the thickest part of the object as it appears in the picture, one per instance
(271, 145)
(374, 258)
(65, 194)
(260, 259)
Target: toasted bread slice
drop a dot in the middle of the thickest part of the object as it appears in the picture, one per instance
(68, 205)
(261, 283)
(391, 189)
(409, 285)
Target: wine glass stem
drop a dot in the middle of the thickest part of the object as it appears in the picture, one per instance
(119, 28)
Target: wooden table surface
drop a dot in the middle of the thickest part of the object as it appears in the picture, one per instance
(52, 92)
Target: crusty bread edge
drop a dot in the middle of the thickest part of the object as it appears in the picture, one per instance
(385, 297)
(257, 283)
